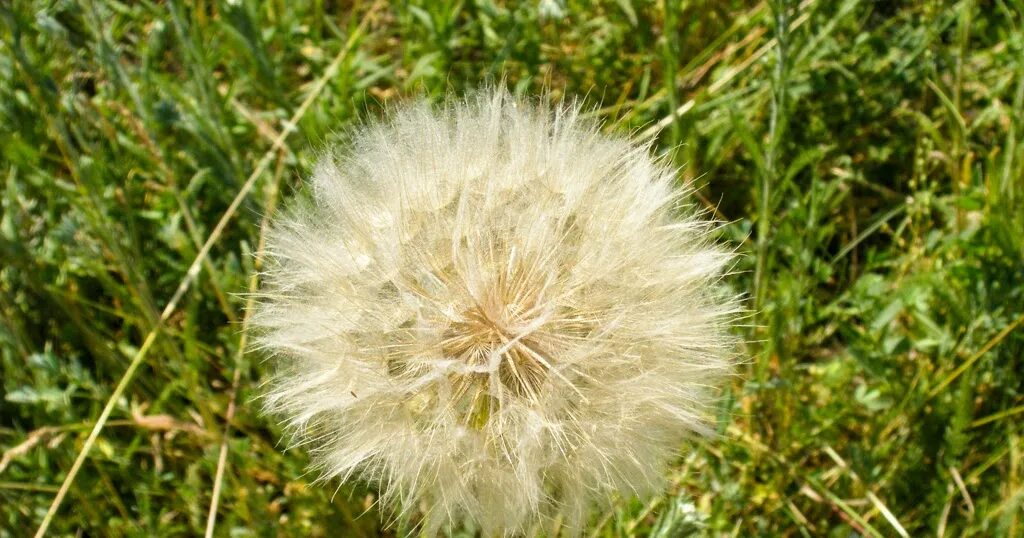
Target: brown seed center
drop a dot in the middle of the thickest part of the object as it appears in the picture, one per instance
(475, 337)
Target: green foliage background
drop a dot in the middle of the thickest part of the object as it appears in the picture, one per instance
(867, 157)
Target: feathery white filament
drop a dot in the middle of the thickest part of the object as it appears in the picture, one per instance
(496, 312)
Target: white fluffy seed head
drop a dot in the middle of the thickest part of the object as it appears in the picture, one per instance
(494, 312)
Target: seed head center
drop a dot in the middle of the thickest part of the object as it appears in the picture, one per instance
(493, 333)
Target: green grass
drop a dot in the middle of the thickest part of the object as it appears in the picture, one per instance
(867, 157)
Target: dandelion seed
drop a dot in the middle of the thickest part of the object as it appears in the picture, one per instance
(496, 312)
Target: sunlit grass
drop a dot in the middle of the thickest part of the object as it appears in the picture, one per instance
(866, 158)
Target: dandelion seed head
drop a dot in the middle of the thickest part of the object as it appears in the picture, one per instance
(494, 311)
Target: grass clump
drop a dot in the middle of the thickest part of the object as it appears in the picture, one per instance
(867, 157)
